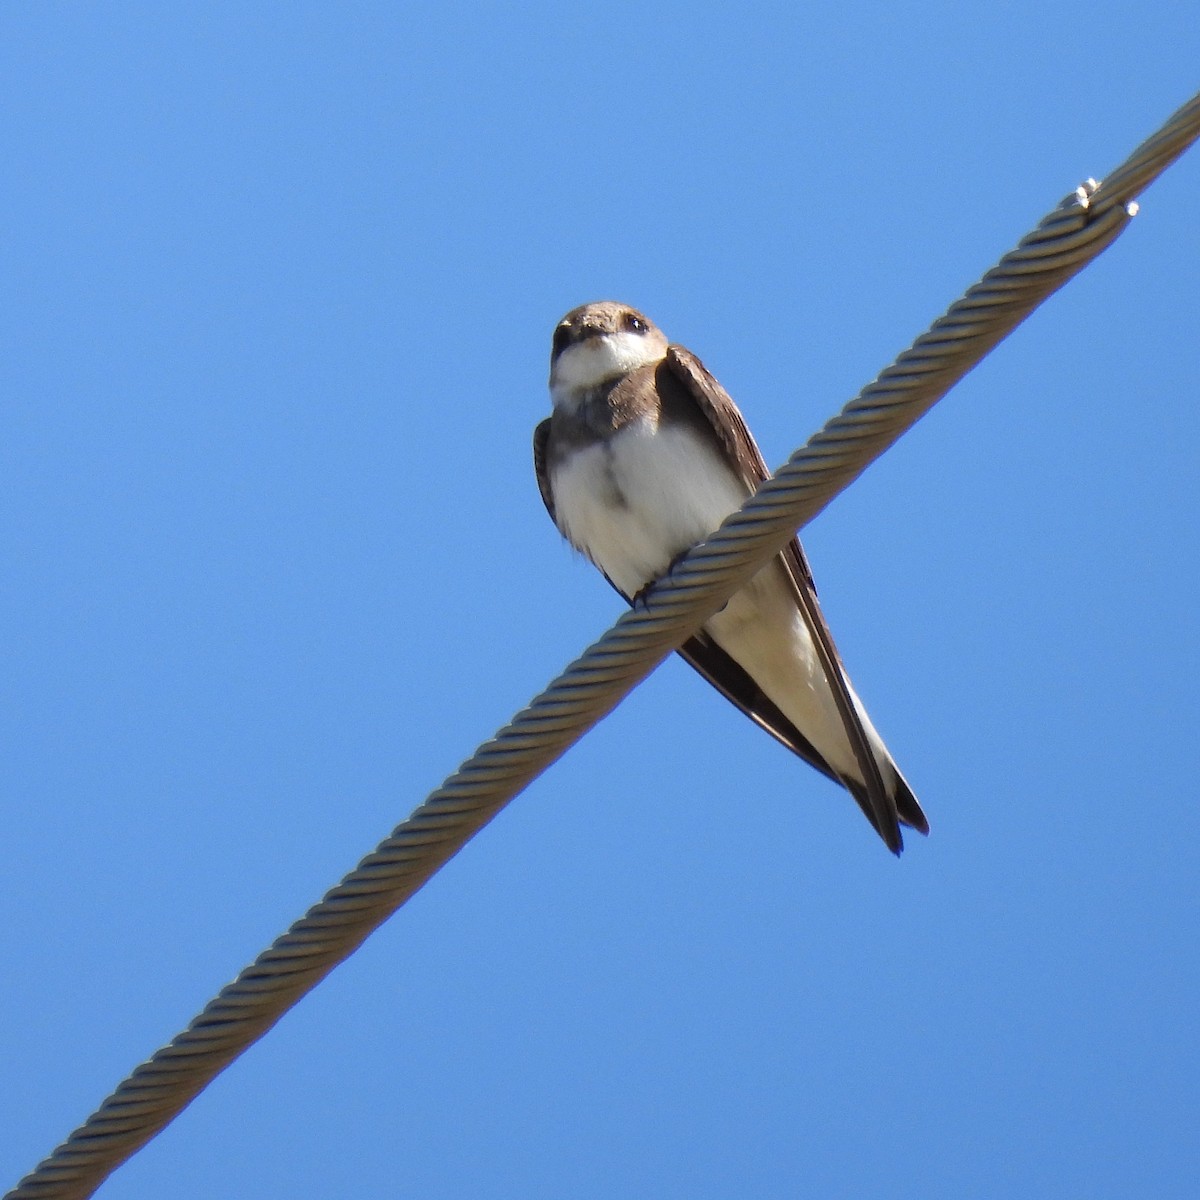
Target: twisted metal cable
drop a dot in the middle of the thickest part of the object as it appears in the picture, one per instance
(1065, 241)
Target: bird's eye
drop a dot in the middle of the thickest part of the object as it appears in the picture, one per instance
(562, 338)
(634, 323)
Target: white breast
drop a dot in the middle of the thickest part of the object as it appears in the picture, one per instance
(587, 364)
(635, 501)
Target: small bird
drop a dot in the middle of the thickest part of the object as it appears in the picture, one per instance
(643, 456)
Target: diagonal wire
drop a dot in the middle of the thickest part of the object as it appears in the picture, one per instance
(158, 1090)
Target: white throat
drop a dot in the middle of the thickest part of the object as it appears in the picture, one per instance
(586, 365)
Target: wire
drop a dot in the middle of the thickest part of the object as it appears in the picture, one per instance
(158, 1090)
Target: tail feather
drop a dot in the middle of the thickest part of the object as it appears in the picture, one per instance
(907, 809)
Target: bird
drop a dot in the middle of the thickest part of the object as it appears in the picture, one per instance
(643, 456)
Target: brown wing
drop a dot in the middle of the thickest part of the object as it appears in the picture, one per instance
(738, 687)
(727, 423)
(541, 436)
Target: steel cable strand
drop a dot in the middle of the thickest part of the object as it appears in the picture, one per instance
(1152, 157)
(594, 684)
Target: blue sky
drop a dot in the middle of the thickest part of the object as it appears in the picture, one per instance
(279, 289)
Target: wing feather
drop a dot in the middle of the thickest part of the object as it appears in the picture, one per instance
(731, 431)
(541, 440)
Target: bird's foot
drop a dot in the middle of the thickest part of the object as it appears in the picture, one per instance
(641, 596)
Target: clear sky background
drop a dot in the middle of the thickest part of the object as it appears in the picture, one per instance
(278, 289)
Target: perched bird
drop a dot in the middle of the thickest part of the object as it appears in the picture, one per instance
(645, 455)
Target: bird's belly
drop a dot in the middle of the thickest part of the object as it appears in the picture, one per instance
(763, 630)
(635, 501)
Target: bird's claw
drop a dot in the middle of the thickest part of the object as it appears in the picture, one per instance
(641, 596)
